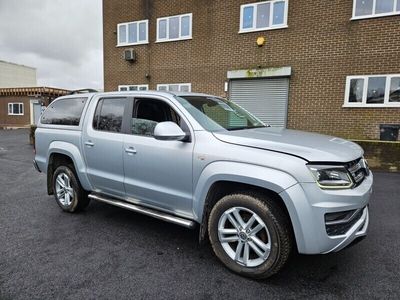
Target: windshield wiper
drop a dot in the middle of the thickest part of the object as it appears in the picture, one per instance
(246, 127)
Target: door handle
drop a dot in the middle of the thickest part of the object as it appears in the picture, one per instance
(89, 143)
(130, 150)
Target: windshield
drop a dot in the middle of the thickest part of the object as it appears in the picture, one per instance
(218, 114)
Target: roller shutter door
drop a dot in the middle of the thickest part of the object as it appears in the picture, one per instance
(266, 98)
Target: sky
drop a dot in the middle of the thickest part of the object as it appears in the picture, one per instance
(62, 39)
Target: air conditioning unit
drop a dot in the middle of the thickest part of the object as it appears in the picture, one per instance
(130, 55)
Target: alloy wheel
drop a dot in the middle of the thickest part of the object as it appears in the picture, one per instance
(64, 190)
(244, 236)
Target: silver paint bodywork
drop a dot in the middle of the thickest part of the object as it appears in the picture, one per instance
(175, 176)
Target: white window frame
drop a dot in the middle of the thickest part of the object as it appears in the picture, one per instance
(127, 33)
(396, 11)
(272, 27)
(167, 86)
(180, 38)
(11, 109)
(364, 103)
(138, 86)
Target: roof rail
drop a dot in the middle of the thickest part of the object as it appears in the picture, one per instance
(82, 91)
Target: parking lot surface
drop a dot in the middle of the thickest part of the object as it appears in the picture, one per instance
(110, 253)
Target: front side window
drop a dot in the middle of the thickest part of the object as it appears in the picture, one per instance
(372, 91)
(263, 15)
(375, 8)
(64, 112)
(134, 87)
(133, 33)
(174, 28)
(175, 87)
(147, 113)
(15, 109)
(218, 114)
(109, 114)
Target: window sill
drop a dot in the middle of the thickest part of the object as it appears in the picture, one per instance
(262, 29)
(371, 105)
(354, 18)
(173, 40)
(133, 44)
(15, 114)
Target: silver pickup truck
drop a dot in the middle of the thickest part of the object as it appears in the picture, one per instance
(198, 160)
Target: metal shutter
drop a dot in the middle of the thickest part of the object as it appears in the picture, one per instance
(266, 98)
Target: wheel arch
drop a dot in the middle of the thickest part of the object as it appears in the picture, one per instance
(223, 178)
(62, 153)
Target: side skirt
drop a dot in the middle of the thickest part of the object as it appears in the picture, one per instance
(144, 210)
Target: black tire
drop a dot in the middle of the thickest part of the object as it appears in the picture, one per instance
(80, 198)
(278, 226)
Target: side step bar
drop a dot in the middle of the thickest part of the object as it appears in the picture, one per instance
(145, 211)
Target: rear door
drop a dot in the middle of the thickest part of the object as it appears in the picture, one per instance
(103, 142)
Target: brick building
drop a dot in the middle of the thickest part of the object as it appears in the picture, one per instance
(326, 66)
(22, 107)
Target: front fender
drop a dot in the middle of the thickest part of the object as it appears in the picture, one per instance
(73, 152)
(272, 179)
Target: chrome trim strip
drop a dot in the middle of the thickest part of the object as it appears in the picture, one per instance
(344, 221)
(146, 211)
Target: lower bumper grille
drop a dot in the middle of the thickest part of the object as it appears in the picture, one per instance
(338, 226)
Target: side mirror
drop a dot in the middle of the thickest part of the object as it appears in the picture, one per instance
(168, 131)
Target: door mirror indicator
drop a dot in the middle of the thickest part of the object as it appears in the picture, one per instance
(168, 131)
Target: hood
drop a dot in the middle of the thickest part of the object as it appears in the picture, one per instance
(307, 145)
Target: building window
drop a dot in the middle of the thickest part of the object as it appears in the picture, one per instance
(175, 87)
(134, 87)
(264, 15)
(174, 28)
(373, 91)
(133, 33)
(375, 8)
(15, 109)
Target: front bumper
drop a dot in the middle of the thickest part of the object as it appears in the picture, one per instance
(307, 205)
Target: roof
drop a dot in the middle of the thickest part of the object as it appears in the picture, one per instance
(11, 63)
(34, 91)
(148, 92)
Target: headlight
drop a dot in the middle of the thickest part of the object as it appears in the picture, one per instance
(331, 177)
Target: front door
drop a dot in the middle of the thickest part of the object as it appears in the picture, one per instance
(103, 146)
(157, 173)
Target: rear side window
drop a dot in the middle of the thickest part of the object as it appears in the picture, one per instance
(109, 114)
(64, 112)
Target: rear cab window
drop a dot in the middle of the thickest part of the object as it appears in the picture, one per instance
(66, 111)
(109, 114)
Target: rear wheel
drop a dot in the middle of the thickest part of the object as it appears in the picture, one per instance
(68, 192)
(250, 234)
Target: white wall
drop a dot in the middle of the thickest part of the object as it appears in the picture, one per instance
(13, 75)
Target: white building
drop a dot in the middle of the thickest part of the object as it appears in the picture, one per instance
(14, 75)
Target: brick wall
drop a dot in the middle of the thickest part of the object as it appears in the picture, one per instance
(14, 121)
(321, 45)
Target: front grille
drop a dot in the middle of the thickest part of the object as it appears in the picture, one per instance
(340, 223)
(358, 170)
